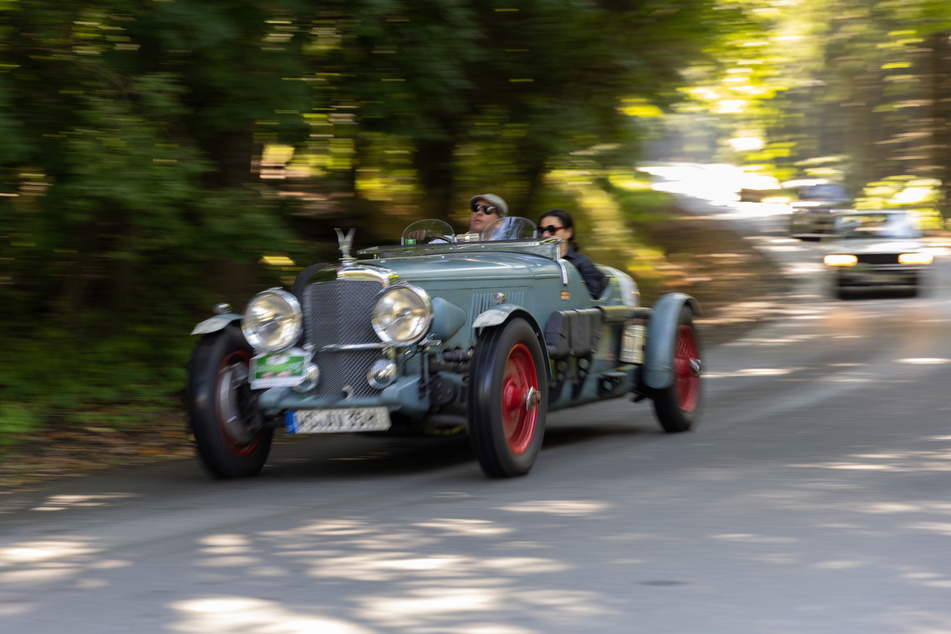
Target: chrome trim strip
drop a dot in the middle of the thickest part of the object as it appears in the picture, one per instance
(547, 248)
(369, 273)
(343, 347)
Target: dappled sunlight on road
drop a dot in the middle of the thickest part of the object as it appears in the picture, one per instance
(558, 507)
(64, 502)
(470, 569)
(937, 460)
(412, 576)
(254, 616)
(407, 610)
(750, 538)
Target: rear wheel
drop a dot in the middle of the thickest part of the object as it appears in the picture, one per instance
(508, 399)
(230, 432)
(678, 406)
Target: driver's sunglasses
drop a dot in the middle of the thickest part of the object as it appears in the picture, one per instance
(552, 229)
(486, 209)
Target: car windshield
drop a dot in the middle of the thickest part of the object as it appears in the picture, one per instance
(425, 232)
(428, 232)
(872, 225)
(510, 229)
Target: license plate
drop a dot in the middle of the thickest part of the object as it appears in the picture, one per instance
(278, 369)
(324, 421)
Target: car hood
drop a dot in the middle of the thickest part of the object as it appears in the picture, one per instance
(859, 247)
(469, 269)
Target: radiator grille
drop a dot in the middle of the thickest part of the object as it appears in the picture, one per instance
(338, 313)
(878, 258)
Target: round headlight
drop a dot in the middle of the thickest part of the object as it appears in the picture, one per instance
(402, 314)
(272, 321)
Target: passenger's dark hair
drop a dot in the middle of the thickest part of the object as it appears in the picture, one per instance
(562, 215)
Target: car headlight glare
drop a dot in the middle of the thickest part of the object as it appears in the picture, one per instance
(402, 314)
(272, 321)
(837, 259)
(915, 258)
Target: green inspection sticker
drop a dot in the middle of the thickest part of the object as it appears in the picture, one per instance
(278, 369)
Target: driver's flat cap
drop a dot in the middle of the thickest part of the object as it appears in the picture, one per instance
(492, 199)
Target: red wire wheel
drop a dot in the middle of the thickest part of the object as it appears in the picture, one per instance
(232, 393)
(678, 406)
(231, 436)
(508, 399)
(687, 368)
(519, 383)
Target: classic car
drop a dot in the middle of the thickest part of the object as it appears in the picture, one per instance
(814, 210)
(483, 334)
(878, 250)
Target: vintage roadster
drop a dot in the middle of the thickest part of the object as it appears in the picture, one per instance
(481, 334)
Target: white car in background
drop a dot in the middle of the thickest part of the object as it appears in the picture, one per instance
(876, 250)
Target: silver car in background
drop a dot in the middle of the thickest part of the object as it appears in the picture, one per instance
(815, 208)
(876, 250)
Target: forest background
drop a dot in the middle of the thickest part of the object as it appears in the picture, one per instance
(161, 156)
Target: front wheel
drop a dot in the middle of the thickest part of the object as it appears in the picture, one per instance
(678, 406)
(508, 399)
(230, 432)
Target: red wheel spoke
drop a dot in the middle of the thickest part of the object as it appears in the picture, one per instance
(686, 368)
(518, 417)
(230, 406)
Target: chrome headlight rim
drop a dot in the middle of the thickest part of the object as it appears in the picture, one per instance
(251, 328)
(422, 328)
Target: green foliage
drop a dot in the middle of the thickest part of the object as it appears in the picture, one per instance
(15, 419)
(905, 192)
(131, 134)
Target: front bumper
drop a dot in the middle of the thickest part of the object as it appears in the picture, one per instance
(403, 395)
(879, 278)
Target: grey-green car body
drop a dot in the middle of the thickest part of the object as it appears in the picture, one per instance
(593, 348)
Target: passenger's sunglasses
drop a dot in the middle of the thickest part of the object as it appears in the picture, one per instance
(552, 229)
(486, 209)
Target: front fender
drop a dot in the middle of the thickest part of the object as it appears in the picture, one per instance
(500, 314)
(661, 337)
(214, 324)
(495, 316)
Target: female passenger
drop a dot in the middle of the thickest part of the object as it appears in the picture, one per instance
(558, 223)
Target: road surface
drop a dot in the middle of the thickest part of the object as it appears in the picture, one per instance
(814, 497)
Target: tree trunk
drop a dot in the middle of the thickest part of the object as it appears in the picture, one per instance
(233, 153)
(434, 160)
(940, 71)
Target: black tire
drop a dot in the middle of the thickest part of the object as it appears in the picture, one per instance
(508, 399)
(230, 432)
(677, 407)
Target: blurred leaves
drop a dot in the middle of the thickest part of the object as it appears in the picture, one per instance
(133, 137)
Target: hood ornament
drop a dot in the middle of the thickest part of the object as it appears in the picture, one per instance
(345, 242)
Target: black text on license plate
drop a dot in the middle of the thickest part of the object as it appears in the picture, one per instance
(324, 421)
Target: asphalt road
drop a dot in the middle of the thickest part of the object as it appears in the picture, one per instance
(814, 497)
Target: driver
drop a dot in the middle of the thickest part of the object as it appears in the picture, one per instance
(485, 208)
